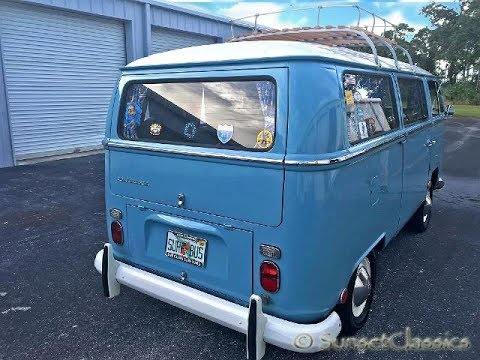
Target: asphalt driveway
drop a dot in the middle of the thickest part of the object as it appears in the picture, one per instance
(52, 306)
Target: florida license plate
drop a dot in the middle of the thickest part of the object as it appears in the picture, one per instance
(186, 248)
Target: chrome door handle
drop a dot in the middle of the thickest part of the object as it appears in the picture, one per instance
(428, 143)
(433, 142)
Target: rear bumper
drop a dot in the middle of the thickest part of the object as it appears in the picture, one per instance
(306, 338)
(439, 184)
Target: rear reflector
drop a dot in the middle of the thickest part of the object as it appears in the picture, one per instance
(116, 214)
(117, 232)
(270, 251)
(270, 276)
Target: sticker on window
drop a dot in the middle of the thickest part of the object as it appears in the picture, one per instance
(225, 133)
(264, 139)
(371, 109)
(155, 129)
(349, 97)
(362, 127)
(220, 114)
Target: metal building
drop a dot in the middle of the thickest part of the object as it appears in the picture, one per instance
(60, 59)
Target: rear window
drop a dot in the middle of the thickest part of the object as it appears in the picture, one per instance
(414, 102)
(236, 115)
(370, 106)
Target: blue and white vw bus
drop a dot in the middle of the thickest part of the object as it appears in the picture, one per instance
(253, 182)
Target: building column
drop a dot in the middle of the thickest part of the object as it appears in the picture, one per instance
(147, 30)
(6, 143)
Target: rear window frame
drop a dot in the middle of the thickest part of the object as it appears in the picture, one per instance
(126, 85)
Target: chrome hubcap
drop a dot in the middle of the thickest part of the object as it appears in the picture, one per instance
(362, 288)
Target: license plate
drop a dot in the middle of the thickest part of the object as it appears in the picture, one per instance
(186, 248)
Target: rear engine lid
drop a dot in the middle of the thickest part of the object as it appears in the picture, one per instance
(210, 257)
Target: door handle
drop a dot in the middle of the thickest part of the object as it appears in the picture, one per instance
(433, 142)
(429, 143)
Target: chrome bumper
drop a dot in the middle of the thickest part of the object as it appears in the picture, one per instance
(251, 321)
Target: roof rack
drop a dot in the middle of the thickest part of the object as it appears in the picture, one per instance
(343, 36)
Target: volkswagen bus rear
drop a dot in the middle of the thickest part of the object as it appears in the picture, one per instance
(194, 160)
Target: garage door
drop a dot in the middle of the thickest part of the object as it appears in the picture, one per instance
(164, 39)
(60, 70)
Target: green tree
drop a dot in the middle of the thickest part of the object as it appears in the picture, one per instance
(424, 53)
(417, 44)
(455, 37)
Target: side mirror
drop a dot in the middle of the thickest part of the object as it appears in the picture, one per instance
(450, 110)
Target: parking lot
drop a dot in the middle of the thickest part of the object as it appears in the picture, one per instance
(52, 223)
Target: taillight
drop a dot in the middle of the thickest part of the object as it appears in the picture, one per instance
(270, 276)
(117, 232)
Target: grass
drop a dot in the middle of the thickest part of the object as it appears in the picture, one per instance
(470, 111)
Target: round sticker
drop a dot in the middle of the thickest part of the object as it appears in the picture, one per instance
(357, 96)
(264, 139)
(155, 129)
(190, 130)
(350, 79)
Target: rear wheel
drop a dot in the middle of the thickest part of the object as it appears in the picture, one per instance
(421, 219)
(354, 312)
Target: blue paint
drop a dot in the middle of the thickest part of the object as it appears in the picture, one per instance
(324, 218)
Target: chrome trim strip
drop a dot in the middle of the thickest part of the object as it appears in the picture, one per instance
(413, 128)
(345, 157)
(324, 161)
(109, 143)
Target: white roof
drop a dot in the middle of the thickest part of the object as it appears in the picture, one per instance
(265, 50)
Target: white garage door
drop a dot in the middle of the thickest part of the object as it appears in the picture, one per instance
(60, 70)
(164, 39)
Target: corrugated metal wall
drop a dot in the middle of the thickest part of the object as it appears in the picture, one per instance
(51, 97)
(166, 39)
(191, 23)
(60, 70)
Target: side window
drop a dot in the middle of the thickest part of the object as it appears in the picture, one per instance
(434, 97)
(414, 102)
(441, 99)
(370, 106)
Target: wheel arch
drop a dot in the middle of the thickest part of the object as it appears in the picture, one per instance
(377, 245)
(435, 176)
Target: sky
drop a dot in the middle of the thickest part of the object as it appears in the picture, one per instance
(407, 11)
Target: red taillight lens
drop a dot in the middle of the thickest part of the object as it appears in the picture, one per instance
(270, 276)
(117, 232)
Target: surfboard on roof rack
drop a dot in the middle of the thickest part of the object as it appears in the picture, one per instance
(339, 36)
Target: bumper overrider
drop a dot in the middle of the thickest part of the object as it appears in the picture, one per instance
(258, 327)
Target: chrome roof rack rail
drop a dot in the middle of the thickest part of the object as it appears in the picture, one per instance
(344, 36)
